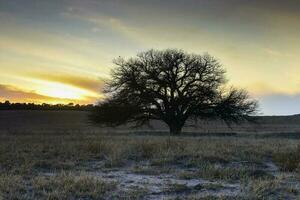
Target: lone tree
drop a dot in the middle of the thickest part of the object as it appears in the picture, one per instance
(172, 86)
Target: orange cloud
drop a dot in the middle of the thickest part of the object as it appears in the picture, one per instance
(92, 84)
(14, 94)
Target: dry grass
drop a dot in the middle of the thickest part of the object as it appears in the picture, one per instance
(270, 189)
(213, 172)
(12, 187)
(68, 186)
(288, 160)
(30, 154)
(24, 161)
(60, 186)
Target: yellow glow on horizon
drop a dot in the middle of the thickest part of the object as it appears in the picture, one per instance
(61, 90)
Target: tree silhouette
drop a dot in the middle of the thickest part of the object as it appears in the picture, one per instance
(172, 86)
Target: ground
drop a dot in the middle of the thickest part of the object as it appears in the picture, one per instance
(79, 166)
(62, 122)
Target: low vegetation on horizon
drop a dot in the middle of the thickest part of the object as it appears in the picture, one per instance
(44, 106)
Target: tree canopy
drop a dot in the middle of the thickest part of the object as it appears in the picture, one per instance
(173, 86)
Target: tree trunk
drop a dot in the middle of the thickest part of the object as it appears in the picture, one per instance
(175, 128)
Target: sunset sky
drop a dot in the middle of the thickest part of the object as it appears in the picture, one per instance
(61, 51)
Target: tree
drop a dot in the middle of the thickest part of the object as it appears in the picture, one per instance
(172, 86)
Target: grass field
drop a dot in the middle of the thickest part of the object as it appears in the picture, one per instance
(81, 166)
(70, 122)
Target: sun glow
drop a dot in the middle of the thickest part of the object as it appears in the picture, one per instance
(62, 91)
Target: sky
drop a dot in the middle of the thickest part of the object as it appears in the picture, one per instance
(61, 51)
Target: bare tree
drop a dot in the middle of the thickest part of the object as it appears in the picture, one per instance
(172, 86)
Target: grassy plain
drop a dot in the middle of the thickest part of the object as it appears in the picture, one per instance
(128, 166)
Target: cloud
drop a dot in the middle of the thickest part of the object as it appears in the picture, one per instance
(260, 88)
(100, 22)
(273, 52)
(53, 53)
(92, 84)
(15, 94)
(255, 40)
(12, 93)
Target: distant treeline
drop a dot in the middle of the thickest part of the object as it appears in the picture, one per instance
(32, 106)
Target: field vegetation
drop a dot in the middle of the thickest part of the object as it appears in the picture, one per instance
(144, 166)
